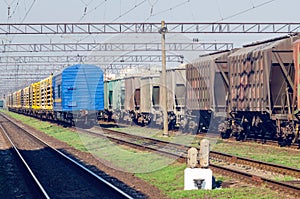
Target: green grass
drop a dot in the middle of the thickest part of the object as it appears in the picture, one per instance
(255, 151)
(119, 157)
(159, 171)
(170, 181)
(263, 153)
(158, 134)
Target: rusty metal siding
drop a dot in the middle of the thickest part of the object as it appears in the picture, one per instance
(206, 88)
(257, 82)
(296, 56)
(247, 81)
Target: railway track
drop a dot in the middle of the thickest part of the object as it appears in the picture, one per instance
(252, 140)
(179, 152)
(52, 173)
(267, 142)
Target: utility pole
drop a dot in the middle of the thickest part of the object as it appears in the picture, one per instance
(163, 31)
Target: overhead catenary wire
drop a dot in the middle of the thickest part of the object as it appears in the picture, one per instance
(219, 9)
(152, 6)
(13, 11)
(28, 11)
(172, 8)
(252, 3)
(241, 12)
(168, 9)
(92, 10)
(120, 16)
(249, 9)
(128, 11)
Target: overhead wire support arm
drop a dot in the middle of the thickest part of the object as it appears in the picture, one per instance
(89, 59)
(69, 47)
(116, 28)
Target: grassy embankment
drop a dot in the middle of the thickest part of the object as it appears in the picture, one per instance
(159, 171)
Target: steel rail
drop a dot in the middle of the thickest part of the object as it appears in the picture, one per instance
(222, 156)
(39, 185)
(284, 187)
(71, 160)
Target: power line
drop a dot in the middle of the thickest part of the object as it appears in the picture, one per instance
(239, 13)
(152, 6)
(252, 3)
(128, 11)
(28, 11)
(120, 16)
(219, 9)
(14, 11)
(168, 9)
(95, 8)
(247, 10)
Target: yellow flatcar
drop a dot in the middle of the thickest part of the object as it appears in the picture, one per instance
(25, 98)
(18, 99)
(36, 96)
(46, 98)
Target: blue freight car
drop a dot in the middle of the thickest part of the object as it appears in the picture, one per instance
(78, 94)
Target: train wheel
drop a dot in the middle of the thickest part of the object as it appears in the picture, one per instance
(224, 131)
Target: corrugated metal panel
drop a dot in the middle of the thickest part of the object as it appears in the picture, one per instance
(81, 88)
(255, 72)
(206, 87)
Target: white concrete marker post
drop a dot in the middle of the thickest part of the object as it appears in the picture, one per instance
(198, 178)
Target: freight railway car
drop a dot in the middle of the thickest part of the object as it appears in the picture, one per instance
(176, 97)
(149, 104)
(114, 100)
(138, 99)
(132, 100)
(143, 99)
(73, 96)
(261, 90)
(247, 92)
(207, 90)
(252, 91)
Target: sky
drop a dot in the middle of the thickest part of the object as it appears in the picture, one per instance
(28, 11)
(45, 11)
(148, 10)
